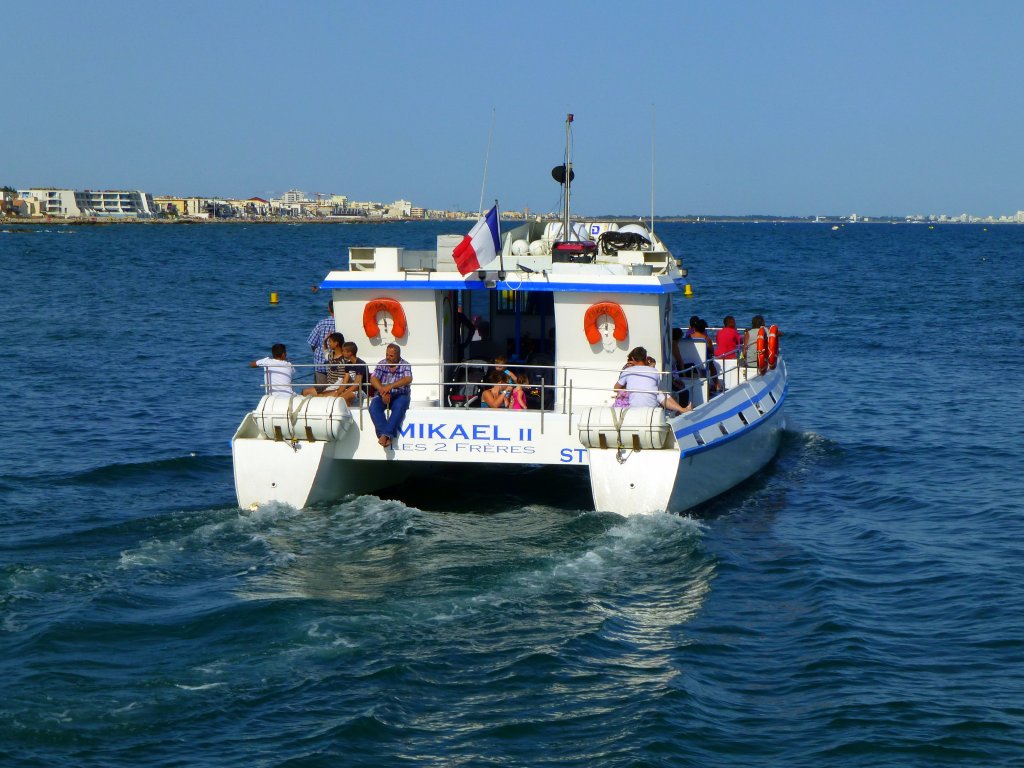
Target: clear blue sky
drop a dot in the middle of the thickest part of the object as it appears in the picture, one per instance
(760, 107)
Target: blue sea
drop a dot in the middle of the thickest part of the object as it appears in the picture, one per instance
(860, 602)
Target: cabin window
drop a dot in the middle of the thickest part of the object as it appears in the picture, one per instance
(524, 303)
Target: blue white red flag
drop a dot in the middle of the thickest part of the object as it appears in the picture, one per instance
(480, 246)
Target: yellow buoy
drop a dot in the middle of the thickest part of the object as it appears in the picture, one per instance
(273, 297)
(688, 290)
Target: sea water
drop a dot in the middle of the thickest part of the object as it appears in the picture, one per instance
(857, 603)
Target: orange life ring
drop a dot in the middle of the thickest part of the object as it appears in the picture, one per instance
(773, 346)
(390, 306)
(614, 311)
(762, 350)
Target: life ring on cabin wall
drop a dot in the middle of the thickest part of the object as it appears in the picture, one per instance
(393, 308)
(614, 311)
(762, 350)
(773, 346)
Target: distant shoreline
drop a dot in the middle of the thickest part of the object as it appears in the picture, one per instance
(93, 222)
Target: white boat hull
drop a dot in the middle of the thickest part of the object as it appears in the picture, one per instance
(710, 450)
(729, 451)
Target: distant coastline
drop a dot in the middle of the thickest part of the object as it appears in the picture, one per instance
(183, 221)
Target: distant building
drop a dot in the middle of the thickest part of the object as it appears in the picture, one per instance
(68, 203)
(50, 201)
(400, 209)
(116, 203)
(293, 196)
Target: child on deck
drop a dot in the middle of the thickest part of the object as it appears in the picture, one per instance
(518, 399)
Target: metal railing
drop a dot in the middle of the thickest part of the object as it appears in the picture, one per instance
(549, 391)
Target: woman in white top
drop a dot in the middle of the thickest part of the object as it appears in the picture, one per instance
(642, 381)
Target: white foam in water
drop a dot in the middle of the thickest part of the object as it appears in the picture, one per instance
(203, 687)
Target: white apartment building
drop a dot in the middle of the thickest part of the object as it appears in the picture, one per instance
(68, 203)
(52, 201)
(111, 202)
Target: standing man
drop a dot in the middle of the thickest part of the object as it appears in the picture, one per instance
(391, 379)
(277, 370)
(317, 337)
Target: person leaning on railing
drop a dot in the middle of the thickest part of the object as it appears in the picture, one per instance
(277, 370)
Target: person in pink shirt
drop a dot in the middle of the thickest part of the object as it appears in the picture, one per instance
(728, 341)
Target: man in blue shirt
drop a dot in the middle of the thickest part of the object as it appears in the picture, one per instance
(390, 380)
(317, 337)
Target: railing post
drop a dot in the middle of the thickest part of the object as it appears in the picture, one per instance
(569, 420)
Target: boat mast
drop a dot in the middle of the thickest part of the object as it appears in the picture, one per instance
(566, 232)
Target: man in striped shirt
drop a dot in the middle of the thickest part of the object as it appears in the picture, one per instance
(317, 337)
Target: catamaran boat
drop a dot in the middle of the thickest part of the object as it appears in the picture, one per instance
(565, 301)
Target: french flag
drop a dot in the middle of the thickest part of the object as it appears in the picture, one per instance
(480, 246)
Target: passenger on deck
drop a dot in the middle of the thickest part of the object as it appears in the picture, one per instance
(501, 367)
(621, 395)
(278, 372)
(728, 341)
(333, 365)
(643, 382)
(498, 393)
(677, 357)
(354, 385)
(750, 341)
(317, 339)
(698, 334)
(391, 379)
(517, 402)
(693, 327)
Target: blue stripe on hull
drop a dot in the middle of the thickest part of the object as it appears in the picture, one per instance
(692, 428)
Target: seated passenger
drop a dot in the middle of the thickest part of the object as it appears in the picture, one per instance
(391, 379)
(354, 386)
(621, 395)
(750, 341)
(700, 333)
(728, 340)
(517, 402)
(334, 367)
(497, 394)
(501, 366)
(642, 381)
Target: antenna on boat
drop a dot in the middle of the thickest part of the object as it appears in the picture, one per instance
(564, 175)
(568, 177)
(487, 157)
(652, 169)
